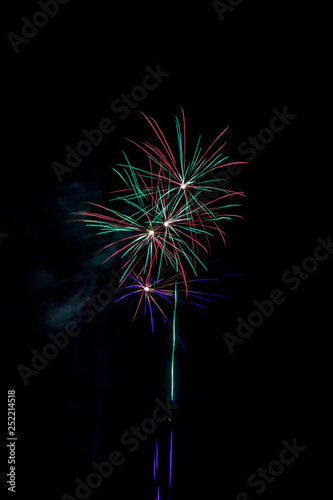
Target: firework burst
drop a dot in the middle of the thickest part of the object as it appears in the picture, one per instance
(181, 177)
(166, 223)
(155, 294)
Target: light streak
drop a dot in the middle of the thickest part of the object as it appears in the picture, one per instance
(173, 346)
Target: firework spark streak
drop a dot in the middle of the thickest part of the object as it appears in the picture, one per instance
(157, 496)
(165, 226)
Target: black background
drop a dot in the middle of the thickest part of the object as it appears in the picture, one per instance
(235, 409)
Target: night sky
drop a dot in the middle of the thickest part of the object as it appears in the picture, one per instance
(246, 393)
